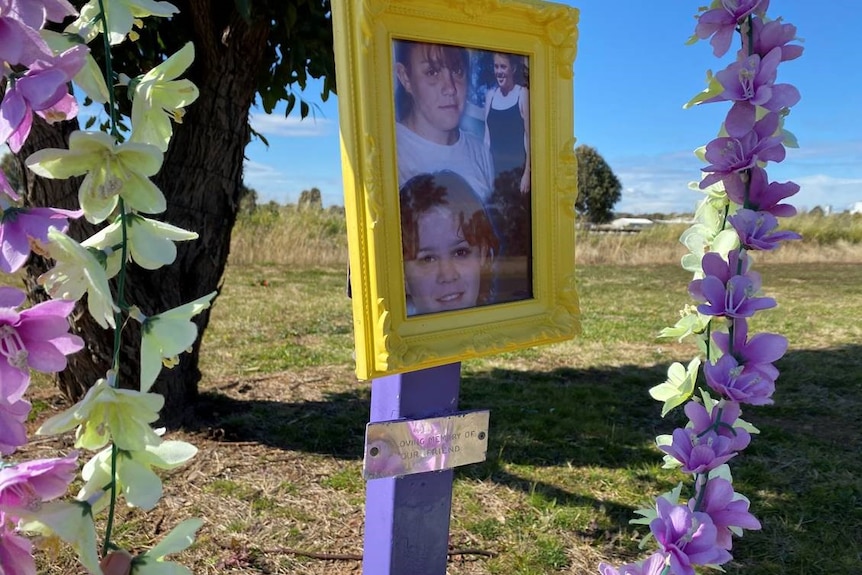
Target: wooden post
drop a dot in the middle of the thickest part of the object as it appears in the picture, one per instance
(407, 518)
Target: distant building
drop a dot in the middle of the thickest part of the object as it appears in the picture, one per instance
(856, 208)
(630, 223)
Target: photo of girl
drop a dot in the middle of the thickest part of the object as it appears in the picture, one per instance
(507, 136)
(448, 244)
(430, 97)
(507, 120)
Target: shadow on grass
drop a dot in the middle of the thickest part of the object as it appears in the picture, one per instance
(586, 417)
(604, 418)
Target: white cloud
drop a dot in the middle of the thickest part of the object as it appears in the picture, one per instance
(258, 171)
(825, 190)
(658, 183)
(291, 126)
(829, 173)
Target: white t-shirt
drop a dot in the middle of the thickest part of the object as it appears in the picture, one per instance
(501, 102)
(468, 157)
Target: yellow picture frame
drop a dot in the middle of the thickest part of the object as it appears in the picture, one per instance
(389, 337)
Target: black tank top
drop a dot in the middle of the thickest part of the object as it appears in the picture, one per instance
(506, 129)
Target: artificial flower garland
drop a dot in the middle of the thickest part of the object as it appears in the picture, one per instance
(737, 216)
(38, 66)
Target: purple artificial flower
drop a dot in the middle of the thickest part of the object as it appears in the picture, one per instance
(653, 565)
(756, 230)
(35, 13)
(759, 352)
(43, 89)
(748, 142)
(752, 79)
(37, 337)
(718, 502)
(20, 43)
(24, 228)
(16, 552)
(12, 384)
(741, 383)
(770, 35)
(688, 537)
(13, 433)
(736, 298)
(757, 193)
(720, 420)
(699, 453)
(738, 263)
(29, 484)
(721, 23)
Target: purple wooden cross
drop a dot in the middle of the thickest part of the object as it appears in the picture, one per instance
(407, 518)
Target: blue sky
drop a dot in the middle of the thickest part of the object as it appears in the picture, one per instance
(633, 73)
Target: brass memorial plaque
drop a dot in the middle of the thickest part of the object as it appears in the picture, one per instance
(403, 447)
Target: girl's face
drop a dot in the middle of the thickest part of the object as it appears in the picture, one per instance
(446, 272)
(504, 71)
(439, 92)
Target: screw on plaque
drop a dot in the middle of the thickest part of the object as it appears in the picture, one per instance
(481, 435)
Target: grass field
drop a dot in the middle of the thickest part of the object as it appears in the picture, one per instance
(281, 421)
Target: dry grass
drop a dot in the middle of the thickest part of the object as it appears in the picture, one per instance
(290, 236)
(260, 502)
(836, 239)
(315, 238)
(281, 416)
(640, 249)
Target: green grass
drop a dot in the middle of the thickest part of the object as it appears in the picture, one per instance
(571, 451)
(345, 480)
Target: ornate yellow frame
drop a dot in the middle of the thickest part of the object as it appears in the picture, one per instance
(387, 341)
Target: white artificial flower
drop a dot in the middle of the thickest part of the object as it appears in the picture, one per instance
(159, 98)
(678, 387)
(150, 242)
(120, 14)
(710, 233)
(77, 272)
(71, 521)
(112, 171)
(106, 413)
(167, 335)
(153, 561)
(136, 480)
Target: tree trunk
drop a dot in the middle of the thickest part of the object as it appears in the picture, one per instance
(201, 178)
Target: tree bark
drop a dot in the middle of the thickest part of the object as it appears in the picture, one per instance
(201, 178)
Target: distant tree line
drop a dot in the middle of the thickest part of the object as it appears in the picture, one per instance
(599, 190)
(310, 200)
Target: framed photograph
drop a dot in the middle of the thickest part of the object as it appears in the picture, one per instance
(460, 177)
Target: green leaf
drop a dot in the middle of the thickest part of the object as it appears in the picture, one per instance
(258, 135)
